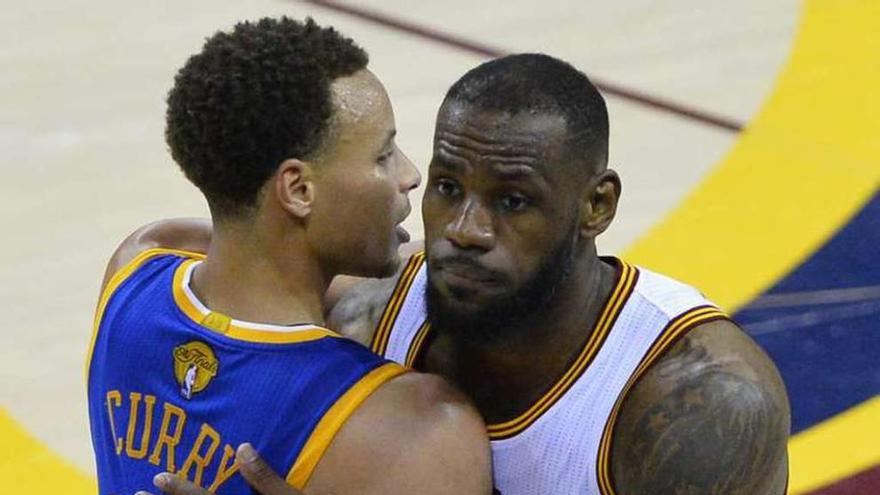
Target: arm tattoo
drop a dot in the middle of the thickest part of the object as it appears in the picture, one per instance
(714, 428)
(358, 312)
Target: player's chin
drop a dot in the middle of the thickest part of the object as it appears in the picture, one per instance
(390, 266)
(382, 266)
(467, 296)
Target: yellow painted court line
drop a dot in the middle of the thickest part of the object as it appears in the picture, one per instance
(800, 170)
(852, 435)
(28, 466)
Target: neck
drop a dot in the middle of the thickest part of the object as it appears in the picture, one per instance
(505, 378)
(261, 276)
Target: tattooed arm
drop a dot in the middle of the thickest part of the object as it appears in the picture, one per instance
(357, 312)
(355, 305)
(710, 417)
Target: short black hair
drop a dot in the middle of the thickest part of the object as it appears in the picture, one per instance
(538, 82)
(252, 98)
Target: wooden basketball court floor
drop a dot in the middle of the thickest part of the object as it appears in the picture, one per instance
(747, 135)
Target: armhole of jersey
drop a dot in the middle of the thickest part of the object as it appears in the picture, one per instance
(382, 334)
(334, 418)
(677, 328)
(115, 281)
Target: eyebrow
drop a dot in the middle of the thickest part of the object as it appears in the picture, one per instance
(515, 171)
(505, 171)
(447, 160)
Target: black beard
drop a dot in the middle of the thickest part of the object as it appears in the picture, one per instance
(501, 319)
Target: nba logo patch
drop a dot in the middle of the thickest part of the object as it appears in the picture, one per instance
(195, 365)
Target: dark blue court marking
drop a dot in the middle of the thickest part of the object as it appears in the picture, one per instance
(821, 323)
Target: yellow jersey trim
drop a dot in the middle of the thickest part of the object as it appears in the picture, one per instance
(225, 325)
(115, 281)
(416, 344)
(625, 285)
(334, 419)
(675, 329)
(382, 334)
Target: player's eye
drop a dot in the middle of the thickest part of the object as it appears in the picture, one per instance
(447, 187)
(515, 202)
(384, 157)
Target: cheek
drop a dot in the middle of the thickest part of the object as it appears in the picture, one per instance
(356, 224)
(525, 242)
(377, 196)
(373, 209)
(431, 217)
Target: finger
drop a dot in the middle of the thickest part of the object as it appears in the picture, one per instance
(175, 485)
(260, 475)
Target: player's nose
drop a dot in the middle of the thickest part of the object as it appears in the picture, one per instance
(471, 227)
(410, 177)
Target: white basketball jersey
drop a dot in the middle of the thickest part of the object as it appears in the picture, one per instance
(562, 443)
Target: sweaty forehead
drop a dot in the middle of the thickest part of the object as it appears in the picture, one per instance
(531, 134)
(360, 100)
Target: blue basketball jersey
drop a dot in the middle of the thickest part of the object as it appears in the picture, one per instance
(173, 386)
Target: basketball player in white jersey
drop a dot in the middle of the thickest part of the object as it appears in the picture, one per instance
(594, 376)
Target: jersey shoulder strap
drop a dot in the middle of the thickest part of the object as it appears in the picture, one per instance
(685, 308)
(400, 305)
(334, 419)
(120, 277)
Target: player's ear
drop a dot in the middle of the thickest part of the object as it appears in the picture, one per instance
(599, 203)
(294, 187)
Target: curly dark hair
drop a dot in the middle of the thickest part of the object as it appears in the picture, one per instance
(251, 99)
(537, 82)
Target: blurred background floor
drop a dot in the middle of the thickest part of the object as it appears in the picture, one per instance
(747, 135)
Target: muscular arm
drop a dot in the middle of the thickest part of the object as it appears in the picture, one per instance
(186, 234)
(356, 313)
(711, 417)
(415, 434)
(355, 305)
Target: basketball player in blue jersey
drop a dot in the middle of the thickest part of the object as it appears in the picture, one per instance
(291, 140)
(594, 376)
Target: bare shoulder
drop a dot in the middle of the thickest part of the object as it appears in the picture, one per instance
(415, 434)
(711, 416)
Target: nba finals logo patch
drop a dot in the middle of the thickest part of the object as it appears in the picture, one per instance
(195, 365)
